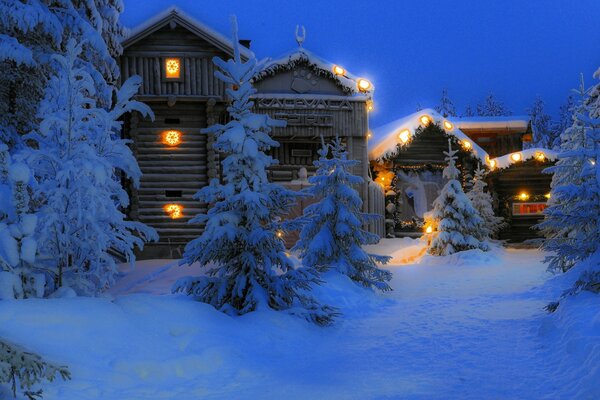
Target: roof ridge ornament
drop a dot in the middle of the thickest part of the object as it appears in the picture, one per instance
(300, 38)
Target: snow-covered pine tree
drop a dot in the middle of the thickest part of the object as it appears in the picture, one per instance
(482, 202)
(457, 224)
(571, 218)
(446, 106)
(565, 120)
(78, 160)
(250, 267)
(18, 244)
(332, 232)
(541, 122)
(492, 107)
(23, 370)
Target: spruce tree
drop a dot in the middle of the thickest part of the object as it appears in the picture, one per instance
(248, 266)
(78, 159)
(482, 202)
(456, 223)
(541, 122)
(446, 107)
(332, 235)
(492, 107)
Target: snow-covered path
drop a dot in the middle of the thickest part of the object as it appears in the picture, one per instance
(468, 326)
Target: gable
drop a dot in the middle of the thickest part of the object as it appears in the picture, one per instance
(173, 40)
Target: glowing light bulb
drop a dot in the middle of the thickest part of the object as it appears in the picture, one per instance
(370, 106)
(369, 135)
(466, 144)
(492, 164)
(547, 195)
(279, 234)
(515, 157)
(339, 70)
(425, 120)
(540, 156)
(448, 125)
(172, 138)
(363, 85)
(404, 136)
(429, 229)
(523, 196)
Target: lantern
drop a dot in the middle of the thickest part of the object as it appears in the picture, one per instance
(171, 138)
(425, 120)
(174, 210)
(515, 157)
(404, 136)
(173, 68)
(448, 125)
(363, 85)
(339, 70)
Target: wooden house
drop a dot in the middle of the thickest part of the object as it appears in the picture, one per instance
(407, 159)
(173, 54)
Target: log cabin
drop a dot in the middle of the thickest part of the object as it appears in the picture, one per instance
(173, 54)
(407, 160)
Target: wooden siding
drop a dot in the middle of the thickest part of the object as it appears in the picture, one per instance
(507, 183)
(146, 58)
(181, 168)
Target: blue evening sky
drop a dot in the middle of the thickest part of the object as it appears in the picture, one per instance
(411, 49)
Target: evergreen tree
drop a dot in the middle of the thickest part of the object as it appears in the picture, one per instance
(482, 202)
(456, 223)
(492, 107)
(77, 159)
(332, 235)
(565, 120)
(571, 219)
(469, 111)
(251, 269)
(543, 135)
(446, 106)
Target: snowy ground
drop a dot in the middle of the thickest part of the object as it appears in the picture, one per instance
(469, 326)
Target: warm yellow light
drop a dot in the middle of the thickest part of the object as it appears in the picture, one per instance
(448, 125)
(363, 85)
(171, 138)
(339, 70)
(404, 136)
(370, 105)
(382, 178)
(279, 234)
(547, 195)
(540, 156)
(425, 120)
(592, 162)
(523, 196)
(369, 135)
(466, 144)
(429, 229)
(174, 210)
(515, 157)
(173, 68)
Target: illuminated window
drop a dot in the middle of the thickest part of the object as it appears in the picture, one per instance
(524, 209)
(174, 210)
(173, 68)
(171, 138)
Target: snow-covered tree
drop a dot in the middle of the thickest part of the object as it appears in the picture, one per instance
(332, 235)
(446, 106)
(571, 221)
(24, 370)
(77, 159)
(469, 111)
(482, 202)
(541, 122)
(565, 120)
(248, 267)
(492, 107)
(456, 223)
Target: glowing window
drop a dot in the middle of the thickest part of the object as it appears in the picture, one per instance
(173, 68)
(523, 209)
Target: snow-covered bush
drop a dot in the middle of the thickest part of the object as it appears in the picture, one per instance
(23, 370)
(18, 244)
(571, 224)
(456, 223)
(78, 159)
(251, 269)
(482, 202)
(332, 232)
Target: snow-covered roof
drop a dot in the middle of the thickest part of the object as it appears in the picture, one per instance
(185, 20)
(509, 122)
(386, 138)
(524, 155)
(347, 81)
